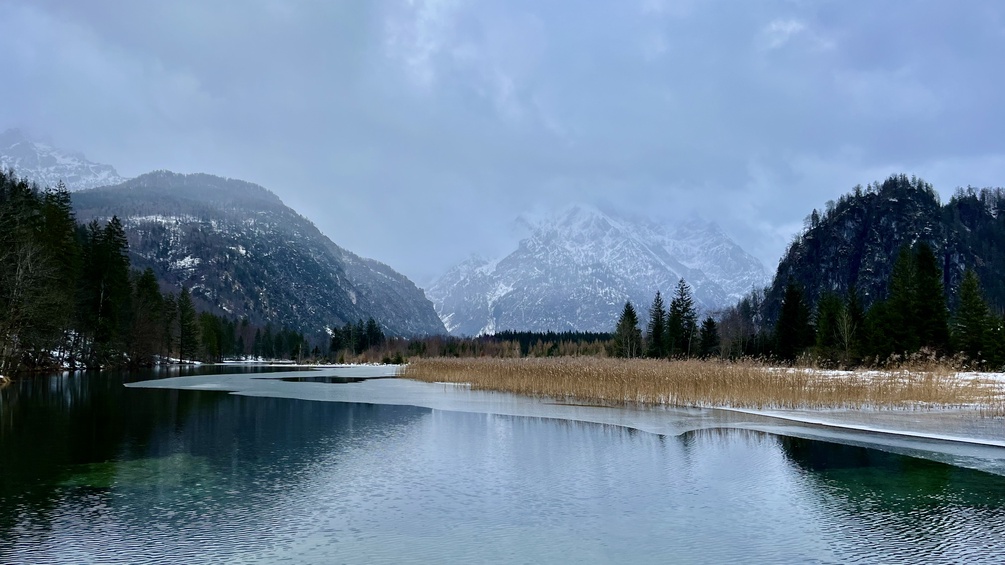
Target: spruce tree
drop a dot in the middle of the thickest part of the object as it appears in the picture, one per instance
(105, 295)
(374, 335)
(931, 318)
(146, 335)
(793, 332)
(656, 334)
(830, 312)
(188, 327)
(708, 338)
(899, 320)
(627, 340)
(32, 297)
(682, 322)
(972, 321)
(59, 237)
(210, 337)
(169, 321)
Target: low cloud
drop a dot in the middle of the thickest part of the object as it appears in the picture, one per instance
(414, 132)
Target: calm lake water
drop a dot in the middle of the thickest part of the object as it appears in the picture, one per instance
(94, 472)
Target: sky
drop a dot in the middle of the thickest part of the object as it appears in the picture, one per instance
(415, 132)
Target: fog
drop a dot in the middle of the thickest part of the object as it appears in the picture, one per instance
(415, 132)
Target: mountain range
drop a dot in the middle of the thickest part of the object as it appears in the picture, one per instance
(576, 269)
(234, 244)
(242, 252)
(47, 165)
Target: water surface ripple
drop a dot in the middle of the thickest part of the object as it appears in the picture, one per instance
(166, 476)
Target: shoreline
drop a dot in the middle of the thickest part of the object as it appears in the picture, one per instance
(965, 447)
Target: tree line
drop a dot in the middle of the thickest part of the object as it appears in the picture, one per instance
(69, 297)
(673, 331)
(914, 317)
(506, 344)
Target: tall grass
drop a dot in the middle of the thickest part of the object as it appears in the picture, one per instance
(743, 384)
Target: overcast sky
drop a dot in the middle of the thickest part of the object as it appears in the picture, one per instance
(415, 132)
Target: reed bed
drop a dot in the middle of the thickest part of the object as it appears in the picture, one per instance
(744, 384)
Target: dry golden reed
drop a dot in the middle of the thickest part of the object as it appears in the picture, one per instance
(744, 384)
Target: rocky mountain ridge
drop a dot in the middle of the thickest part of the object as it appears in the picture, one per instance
(48, 166)
(242, 252)
(574, 271)
(856, 240)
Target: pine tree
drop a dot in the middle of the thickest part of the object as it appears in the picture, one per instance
(627, 340)
(359, 337)
(656, 339)
(188, 327)
(210, 337)
(30, 283)
(106, 295)
(972, 321)
(682, 322)
(708, 338)
(256, 347)
(793, 332)
(146, 334)
(900, 318)
(169, 320)
(374, 335)
(830, 312)
(59, 238)
(930, 314)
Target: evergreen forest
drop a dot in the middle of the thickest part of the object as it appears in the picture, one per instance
(914, 321)
(70, 299)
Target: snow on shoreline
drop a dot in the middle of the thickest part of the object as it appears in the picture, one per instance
(894, 422)
(957, 436)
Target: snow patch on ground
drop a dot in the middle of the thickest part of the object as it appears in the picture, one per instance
(188, 262)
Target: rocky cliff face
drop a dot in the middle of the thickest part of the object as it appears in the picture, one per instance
(856, 241)
(242, 252)
(576, 270)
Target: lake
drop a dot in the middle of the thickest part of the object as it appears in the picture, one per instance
(333, 470)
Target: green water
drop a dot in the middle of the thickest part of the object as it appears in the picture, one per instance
(93, 472)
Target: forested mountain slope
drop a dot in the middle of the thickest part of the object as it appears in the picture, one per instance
(242, 252)
(856, 241)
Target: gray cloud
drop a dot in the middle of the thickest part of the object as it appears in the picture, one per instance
(414, 132)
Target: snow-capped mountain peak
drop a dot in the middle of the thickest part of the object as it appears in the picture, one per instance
(577, 267)
(47, 165)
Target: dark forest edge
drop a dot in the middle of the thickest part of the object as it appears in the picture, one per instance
(912, 325)
(69, 299)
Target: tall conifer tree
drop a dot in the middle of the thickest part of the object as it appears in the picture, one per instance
(708, 338)
(188, 327)
(972, 321)
(793, 332)
(931, 317)
(682, 322)
(656, 331)
(627, 340)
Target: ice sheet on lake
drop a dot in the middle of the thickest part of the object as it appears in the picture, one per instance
(955, 437)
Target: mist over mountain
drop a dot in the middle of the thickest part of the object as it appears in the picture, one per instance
(574, 271)
(242, 252)
(238, 248)
(47, 165)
